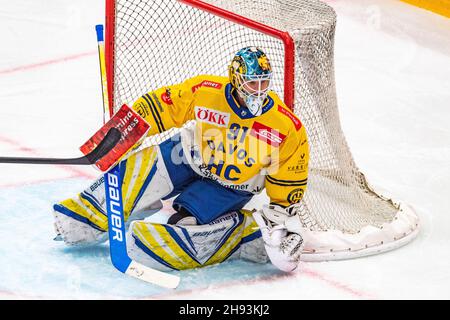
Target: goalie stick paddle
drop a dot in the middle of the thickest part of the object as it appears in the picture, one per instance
(110, 140)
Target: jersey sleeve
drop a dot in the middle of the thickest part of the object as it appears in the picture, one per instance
(287, 176)
(167, 107)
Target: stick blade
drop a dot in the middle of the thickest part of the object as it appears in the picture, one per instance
(153, 276)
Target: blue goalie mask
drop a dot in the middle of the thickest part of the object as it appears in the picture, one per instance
(251, 75)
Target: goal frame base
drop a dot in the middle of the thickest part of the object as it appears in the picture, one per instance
(368, 241)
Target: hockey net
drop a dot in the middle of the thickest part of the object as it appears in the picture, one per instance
(151, 43)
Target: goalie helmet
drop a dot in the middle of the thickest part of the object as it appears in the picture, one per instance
(250, 74)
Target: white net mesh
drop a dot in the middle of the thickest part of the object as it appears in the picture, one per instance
(164, 42)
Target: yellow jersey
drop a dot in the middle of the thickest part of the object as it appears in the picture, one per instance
(227, 143)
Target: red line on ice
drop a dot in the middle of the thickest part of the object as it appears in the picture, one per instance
(336, 284)
(74, 172)
(270, 279)
(17, 296)
(28, 150)
(46, 63)
(230, 284)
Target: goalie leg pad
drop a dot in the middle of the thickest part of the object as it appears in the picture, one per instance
(166, 247)
(83, 219)
(75, 232)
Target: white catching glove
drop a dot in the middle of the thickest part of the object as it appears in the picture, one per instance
(283, 246)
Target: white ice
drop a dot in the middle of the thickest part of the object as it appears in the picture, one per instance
(392, 65)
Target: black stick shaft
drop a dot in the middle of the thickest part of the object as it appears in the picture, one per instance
(106, 145)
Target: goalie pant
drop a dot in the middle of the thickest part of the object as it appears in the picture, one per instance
(152, 174)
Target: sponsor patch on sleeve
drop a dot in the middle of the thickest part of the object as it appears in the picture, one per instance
(267, 134)
(207, 83)
(166, 98)
(294, 119)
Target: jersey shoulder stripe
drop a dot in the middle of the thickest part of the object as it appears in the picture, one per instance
(155, 113)
(287, 183)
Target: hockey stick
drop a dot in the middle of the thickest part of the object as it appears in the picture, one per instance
(114, 208)
(107, 144)
(117, 242)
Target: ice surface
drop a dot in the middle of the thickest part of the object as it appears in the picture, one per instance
(392, 65)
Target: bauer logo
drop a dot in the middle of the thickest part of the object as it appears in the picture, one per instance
(115, 207)
(211, 116)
